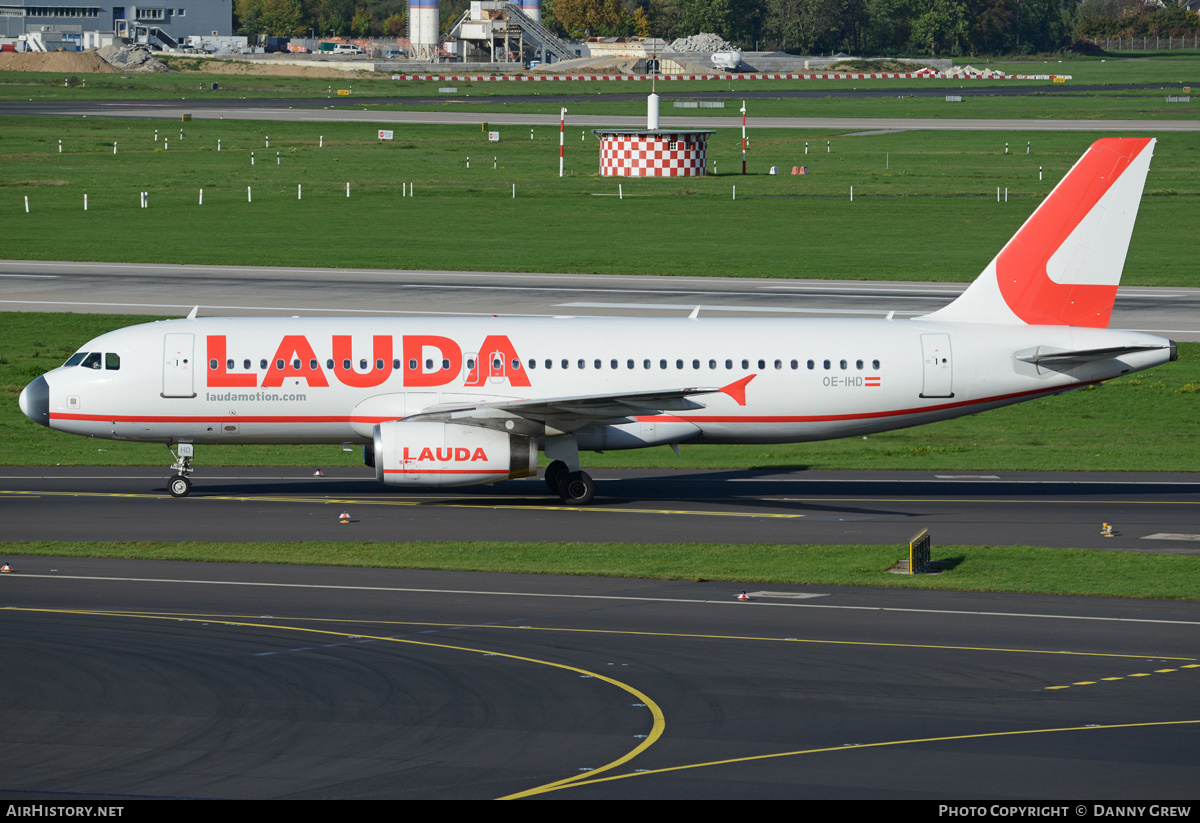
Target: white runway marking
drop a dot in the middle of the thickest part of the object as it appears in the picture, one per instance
(648, 599)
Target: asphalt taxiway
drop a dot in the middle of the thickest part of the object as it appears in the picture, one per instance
(1149, 512)
(131, 679)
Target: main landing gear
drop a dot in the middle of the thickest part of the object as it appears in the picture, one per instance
(180, 485)
(575, 488)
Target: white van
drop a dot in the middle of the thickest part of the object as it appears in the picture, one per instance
(346, 48)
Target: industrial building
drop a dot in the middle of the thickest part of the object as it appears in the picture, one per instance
(40, 27)
(491, 31)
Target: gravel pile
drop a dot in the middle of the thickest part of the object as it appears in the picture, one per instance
(971, 71)
(699, 43)
(132, 59)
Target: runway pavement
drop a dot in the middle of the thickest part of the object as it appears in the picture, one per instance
(128, 679)
(1150, 513)
(318, 111)
(126, 288)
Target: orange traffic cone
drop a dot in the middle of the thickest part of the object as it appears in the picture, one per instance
(318, 473)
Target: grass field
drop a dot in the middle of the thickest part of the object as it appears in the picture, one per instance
(1177, 68)
(965, 568)
(924, 208)
(1144, 422)
(925, 203)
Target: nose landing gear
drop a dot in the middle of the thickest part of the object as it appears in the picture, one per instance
(180, 485)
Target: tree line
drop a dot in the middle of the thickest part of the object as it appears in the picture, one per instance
(940, 28)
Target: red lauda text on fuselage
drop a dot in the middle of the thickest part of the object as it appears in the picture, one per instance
(296, 358)
(446, 455)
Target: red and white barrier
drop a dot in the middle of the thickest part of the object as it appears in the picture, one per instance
(486, 78)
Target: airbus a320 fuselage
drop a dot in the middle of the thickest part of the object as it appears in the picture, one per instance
(446, 401)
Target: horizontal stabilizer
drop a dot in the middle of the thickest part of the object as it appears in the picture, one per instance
(1045, 357)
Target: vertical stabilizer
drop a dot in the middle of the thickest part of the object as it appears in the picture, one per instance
(1062, 267)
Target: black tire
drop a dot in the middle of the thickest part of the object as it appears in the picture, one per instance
(556, 472)
(577, 489)
(179, 486)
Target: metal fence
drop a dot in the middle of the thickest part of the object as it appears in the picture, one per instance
(1147, 43)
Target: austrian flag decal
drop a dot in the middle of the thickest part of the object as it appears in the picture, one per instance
(872, 381)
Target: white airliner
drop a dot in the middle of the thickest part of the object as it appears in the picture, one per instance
(446, 401)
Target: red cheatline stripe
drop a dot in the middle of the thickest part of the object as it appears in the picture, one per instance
(445, 471)
(132, 418)
(817, 418)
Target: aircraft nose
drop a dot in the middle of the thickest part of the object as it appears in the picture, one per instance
(35, 401)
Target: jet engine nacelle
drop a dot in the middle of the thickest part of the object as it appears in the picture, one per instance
(448, 454)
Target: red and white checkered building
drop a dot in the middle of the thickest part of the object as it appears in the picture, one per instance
(657, 153)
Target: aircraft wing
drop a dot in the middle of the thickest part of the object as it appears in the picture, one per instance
(570, 413)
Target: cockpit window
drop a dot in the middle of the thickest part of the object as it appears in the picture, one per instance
(92, 361)
(112, 361)
(76, 358)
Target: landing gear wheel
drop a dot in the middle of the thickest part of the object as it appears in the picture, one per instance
(577, 489)
(179, 486)
(555, 473)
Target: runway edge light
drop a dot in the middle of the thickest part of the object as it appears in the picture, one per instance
(345, 517)
(743, 596)
(5, 569)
